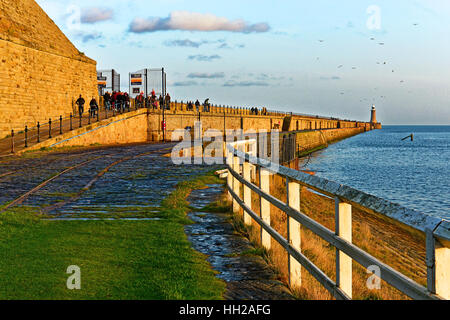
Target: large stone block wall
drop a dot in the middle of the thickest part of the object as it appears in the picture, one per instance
(41, 71)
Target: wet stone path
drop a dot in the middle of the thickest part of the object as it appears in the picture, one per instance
(137, 180)
(248, 277)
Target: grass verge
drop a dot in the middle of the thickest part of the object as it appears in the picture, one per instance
(118, 259)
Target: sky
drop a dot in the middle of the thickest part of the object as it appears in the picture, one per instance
(323, 57)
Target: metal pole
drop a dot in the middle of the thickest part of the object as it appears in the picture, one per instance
(71, 122)
(26, 136)
(12, 141)
(38, 127)
(49, 128)
(60, 124)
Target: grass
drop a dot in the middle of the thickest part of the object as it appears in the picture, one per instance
(118, 259)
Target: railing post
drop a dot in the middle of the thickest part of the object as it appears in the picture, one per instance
(236, 184)
(50, 128)
(26, 136)
(38, 132)
(247, 192)
(264, 182)
(438, 260)
(343, 229)
(71, 116)
(60, 124)
(442, 275)
(12, 141)
(229, 177)
(294, 233)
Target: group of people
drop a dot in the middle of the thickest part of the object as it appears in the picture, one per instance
(206, 106)
(151, 101)
(256, 111)
(93, 107)
(118, 101)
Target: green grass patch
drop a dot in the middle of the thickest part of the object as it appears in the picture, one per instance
(118, 259)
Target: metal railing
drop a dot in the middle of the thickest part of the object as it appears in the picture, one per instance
(51, 128)
(241, 157)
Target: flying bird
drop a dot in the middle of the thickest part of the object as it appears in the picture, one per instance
(321, 40)
(381, 43)
(340, 66)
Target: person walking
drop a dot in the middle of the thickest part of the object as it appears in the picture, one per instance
(107, 99)
(93, 107)
(80, 102)
(197, 105)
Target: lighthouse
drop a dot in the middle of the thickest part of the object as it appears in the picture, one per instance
(373, 115)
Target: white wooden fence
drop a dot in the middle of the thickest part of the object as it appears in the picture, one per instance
(242, 163)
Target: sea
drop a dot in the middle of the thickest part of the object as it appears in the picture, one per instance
(414, 174)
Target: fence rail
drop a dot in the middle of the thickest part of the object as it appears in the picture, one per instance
(241, 158)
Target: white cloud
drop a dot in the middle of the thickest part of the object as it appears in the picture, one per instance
(197, 75)
(192, 21)
(93, 15)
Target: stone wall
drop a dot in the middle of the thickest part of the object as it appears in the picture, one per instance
(41, 71)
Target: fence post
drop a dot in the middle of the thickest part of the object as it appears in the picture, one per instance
(442, 276)
(343, 229)
(247, 192)
(60, 124)
(71, 122)
(230, 164)
(12, 141)
(38, 132)
(26, 136)
(50, 128)
(294, 233)
(264, 182)
(236, 184)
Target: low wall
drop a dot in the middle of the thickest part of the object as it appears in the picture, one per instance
(128, 128)
(308, 141)
(146, 126)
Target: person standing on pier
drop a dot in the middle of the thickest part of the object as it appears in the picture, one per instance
(161, 102)
(167, 101)
(80, 102)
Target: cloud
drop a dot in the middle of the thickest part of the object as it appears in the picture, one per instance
(330, 78)
(246, 84)
(184, 43)
(216, 75)
(94, 15)
(88, 36)
(193, 21)
(200, 57)
(184, 83)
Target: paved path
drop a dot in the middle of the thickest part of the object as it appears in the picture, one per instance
(100, 182)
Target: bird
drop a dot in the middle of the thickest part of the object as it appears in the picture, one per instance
(415, 24)
(372, 39)
(381, 43)
(321, 40)
(353, 68)
(340, 66)
(401, 81)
